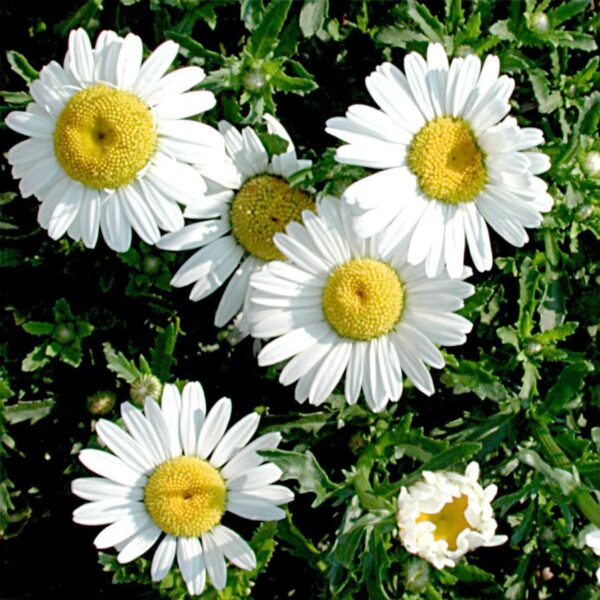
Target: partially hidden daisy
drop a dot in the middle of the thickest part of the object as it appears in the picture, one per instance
(175, 475)
(238, 219)
(109, 141)
(592, 540)
(342, 304)
(451, 161)
(446, 515)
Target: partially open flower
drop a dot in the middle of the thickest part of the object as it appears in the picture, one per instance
(446, 515)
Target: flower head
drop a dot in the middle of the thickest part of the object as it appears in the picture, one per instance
(248, 204)
(446, 515)
(110, 141)
(177, 472)
(592, 540)
(451, 161)
(341, 304)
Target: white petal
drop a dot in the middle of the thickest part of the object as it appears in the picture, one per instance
(249, 507)
(234, 296)
(121, 530)
(129, 61)
(106, 511)
(154, 67)
(235, 439)
(194, 235)
(115, 227)
(255, 478)
(214, 427)
(111, 467)
(234, 548)
(163, 558)
(193, 411)
(214, 561)
(139, 215)
(98, 488)
(124, 446)
(171, 408)
(248, 458)
(185, 105)
(191, 564)
(142, 541)
(33, 125)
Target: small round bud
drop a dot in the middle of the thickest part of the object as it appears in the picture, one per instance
(540, 23)
(100, 403)
(534, 347)
(64, 334)
(591, 163)
(151, 265)
(416, 575)
(144, 386)
(254, 80)
(547, 574)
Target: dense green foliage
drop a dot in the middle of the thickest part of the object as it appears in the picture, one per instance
(521, 397)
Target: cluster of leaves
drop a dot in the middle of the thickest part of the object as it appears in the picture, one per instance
(521, 397)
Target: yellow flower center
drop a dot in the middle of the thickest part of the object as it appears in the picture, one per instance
(104, 137)
(264, 206)
(363, 299)
(447, 161)
(185, 496)
(450, 521)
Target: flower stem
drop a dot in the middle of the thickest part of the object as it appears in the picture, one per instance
(583, 499)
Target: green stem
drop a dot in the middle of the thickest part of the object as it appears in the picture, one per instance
(583, 499)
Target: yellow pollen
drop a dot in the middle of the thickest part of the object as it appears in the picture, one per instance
(104, 137)
(447, 161)
(363, 299)
(185, 496)
(450, 521)
(264, 206)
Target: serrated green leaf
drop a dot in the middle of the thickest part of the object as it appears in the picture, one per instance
(28, 410)
(119, 364)
(36, 359)
(306, 470)
(548, 100)
(562, 332)
(399, 37)
(430, 25)
(251, 12)
(455, 454)
(312, 16)
(566, 10)
(472, 377)
(568, 385)
(264, 37)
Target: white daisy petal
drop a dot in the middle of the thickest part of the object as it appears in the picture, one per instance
(163, 558)
(129, 61)
(121, 530)
(154, 67)
(191, 562)
(116, 229)
(193, 412)
(111, 467)
(98, 488)
(214, 561)
(185, 105)
(213, 427)
(235, 439)
(237, 551)
(105, 512)
(247, 506)
(248, 458)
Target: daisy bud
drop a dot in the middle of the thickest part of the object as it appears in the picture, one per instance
(146, 385)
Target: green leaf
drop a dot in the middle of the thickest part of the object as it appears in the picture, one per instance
(273, 144)
(161, 356)
(548, 100)
(119, 364)
(264, 37)
(38, 328)
(528, 286)
(399, 36)
(36, 359)
(566, 10)
(15, 97)
(304, 468)
(195, 48)
(287, 83)
(472, 377)
(32, 411)
(312, 16)
(251, 12)
(455, 454)
(71, 355)
(20, 65)
(430, 25)
(562, 332)
(568, 385)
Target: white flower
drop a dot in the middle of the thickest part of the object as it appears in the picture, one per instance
(239, 218)
(592, 539)
(447, 515)
(344, 304)
(107, 134)
(177, 472)
(450, 160)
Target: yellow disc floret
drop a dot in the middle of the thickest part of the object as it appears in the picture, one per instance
(449, 522)
(185, 496)
(447, 161)
(104, 137)
(363, 299)
(264, 206)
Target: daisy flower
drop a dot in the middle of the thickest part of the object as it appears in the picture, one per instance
(239, 218)
(447, 515)
(344, 304)
(450, 162)
(176, 474)
(107, 134)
